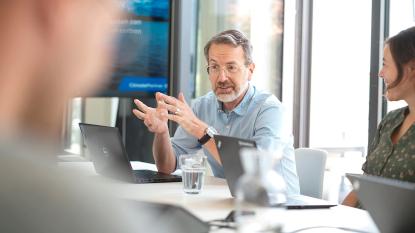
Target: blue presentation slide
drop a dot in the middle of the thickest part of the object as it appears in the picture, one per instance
(142, 62)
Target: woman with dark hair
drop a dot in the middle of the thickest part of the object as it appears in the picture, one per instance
(392, 152)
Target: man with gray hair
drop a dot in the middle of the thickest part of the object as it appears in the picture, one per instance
(234, 107)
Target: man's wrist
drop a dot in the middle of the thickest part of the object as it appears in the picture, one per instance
(209, 132)
(201, 130)
(163, 133)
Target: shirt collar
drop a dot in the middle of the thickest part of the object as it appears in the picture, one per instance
(242, 106)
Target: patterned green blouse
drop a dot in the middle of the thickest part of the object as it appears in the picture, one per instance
(388, 160)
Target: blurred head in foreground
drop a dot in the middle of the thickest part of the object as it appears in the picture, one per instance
(50, 51)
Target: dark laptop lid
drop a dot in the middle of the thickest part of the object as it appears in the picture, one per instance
(391, 203)
(107, 152)
(229, 150)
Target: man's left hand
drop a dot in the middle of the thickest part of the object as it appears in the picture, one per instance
(181, 113)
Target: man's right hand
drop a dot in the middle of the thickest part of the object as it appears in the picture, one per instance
(154, 118)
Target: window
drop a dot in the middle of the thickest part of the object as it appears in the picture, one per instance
(340, 74)
(101, 111)
(261, 21)
(339, 92)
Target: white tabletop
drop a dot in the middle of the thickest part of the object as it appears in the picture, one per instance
(215, 202)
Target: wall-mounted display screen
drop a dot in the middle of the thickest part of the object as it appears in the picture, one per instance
(141, 67)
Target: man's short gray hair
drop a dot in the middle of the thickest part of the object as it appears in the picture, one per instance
(234, 38)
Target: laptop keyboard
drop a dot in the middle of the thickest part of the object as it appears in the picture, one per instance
(148, 176)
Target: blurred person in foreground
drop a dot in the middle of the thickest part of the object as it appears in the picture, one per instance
(50, 51)
(392, 152)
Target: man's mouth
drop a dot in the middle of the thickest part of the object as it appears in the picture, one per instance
(224, 90)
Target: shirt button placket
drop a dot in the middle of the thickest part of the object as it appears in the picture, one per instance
(228, 125)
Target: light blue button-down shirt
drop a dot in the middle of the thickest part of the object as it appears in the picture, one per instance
(260, 117)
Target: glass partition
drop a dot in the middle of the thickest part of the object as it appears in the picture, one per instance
(261, 21)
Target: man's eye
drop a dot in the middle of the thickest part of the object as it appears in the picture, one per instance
(214, 67)
(232, 68)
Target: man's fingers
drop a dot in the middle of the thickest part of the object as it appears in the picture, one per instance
(173, 109)
(160, 96)
(144, 108)
(168, 99)
(174, 118)
(138, 114)
(161, 104)
(148, 123)
(181, 98)
(172, 104)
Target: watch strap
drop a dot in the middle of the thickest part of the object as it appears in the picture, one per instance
(204, 139)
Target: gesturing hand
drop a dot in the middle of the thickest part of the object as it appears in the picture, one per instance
(154, 118)
(179, 111)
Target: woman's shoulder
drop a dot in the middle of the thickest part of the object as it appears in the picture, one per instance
(394, 114)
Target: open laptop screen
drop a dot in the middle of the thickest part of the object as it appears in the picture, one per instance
(106, 151)
(391, 203)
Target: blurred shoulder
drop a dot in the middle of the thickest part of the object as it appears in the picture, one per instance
(65, 199)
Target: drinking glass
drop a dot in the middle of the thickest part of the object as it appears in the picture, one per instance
(193, 168)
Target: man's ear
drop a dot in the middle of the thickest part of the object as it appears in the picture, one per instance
(251, 68)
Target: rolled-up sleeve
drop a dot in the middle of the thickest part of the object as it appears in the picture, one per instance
(183, 143)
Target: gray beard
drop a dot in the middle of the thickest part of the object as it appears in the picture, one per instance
(226, 98)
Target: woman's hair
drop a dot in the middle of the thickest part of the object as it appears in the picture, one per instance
(402, 48)
(234, 38)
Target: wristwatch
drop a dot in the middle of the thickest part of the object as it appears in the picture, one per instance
(209, 132)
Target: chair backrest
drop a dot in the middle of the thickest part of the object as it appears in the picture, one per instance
(311, 164)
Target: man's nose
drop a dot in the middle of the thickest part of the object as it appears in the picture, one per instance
(223, 75)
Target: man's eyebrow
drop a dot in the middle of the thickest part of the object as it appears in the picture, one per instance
(227, 63)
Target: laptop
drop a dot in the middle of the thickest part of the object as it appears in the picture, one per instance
(390, 203)
(229, 152)
(110, 158)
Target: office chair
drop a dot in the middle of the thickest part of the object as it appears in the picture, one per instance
(311, 164)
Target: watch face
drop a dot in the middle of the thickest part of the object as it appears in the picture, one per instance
(211, 131)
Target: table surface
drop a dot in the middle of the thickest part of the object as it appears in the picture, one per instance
(215, 202)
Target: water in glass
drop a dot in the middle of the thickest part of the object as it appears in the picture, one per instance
(193, 168)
